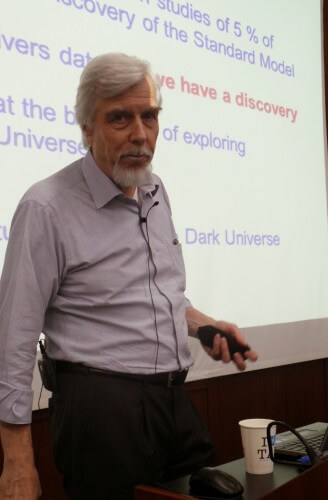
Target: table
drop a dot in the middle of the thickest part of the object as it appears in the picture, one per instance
(287, 482)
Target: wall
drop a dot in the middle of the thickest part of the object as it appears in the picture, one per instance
(297, 394)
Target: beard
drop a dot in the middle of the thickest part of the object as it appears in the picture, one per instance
(132, 176)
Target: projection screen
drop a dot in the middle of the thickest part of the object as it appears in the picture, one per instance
(241, 149)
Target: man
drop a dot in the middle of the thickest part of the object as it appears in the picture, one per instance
(93, 261)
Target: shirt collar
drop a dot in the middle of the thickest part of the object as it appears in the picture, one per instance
(103, 189)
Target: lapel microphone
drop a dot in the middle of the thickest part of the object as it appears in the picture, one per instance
(143, 220)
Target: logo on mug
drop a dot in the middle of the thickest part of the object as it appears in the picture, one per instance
(263, 452)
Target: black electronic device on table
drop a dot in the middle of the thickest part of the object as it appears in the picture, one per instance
(289, 447)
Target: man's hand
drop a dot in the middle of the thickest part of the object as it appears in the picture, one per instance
(20, 482)
(220, 349)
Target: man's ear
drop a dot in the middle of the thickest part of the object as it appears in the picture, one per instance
(88, 134)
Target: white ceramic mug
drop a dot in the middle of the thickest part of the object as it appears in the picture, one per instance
(255, 445)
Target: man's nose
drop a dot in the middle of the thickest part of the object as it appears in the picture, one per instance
(137, 132)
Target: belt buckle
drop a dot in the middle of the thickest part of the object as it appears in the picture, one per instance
(170, 379)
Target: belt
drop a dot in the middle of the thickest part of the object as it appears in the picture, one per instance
(166, 379)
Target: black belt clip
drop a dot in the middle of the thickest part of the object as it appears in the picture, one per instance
(176, 378)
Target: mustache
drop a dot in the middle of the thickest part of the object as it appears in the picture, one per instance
(137, 152)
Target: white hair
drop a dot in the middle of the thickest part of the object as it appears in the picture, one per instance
(106, 76)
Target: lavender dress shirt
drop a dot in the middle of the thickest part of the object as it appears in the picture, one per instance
(106, 289)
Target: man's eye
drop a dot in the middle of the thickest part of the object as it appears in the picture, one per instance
(116, 118)
(151, 115)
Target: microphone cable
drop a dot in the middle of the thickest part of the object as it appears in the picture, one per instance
(144, 220)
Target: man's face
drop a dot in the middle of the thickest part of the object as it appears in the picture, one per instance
(124, 132)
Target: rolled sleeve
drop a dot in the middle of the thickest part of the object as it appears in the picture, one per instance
(15, 404)
(34, 264)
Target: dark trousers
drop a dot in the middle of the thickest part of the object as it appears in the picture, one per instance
(110, 434)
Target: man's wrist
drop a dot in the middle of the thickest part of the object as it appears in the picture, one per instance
(17, 445)
(25, 460)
